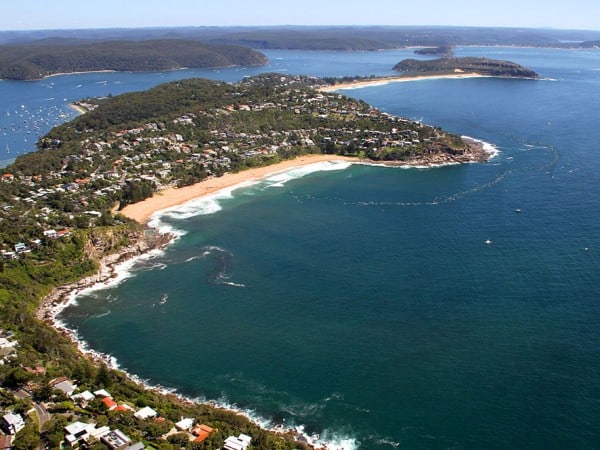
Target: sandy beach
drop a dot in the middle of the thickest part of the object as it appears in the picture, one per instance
(385, 80)
(77, 108)
(169, 197)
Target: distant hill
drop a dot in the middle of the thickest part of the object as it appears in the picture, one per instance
(325, 37)
(482, 66)
(50, 56)
(590, 44)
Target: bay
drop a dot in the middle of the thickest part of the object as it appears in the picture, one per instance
(363, 302)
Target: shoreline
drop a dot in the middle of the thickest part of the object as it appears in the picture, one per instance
(77, 108)
(378, 81)
(115, 267)
(172, 196)
(81, 72)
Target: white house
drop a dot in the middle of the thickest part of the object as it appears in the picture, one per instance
(13, 423)
(83, 397)
(242, 442)
(5, 343)
(145, 413)
(65, 386)
(50, 234)
(185, 424)
(116, 439)
(102, 393)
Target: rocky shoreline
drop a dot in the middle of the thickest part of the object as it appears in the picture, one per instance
(475, 151)
(56, 300)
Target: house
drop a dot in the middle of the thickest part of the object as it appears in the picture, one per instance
(109, 403)
(202, 432)
(145, 413)
(9, 255)
(63, 232)
(79, 433)
(116, 440)
(5, 343)
(237, 443)
(21, 248)
(76, 433)
(124, 407)
(50, 234)
(83, 397)
(65, 386)
(102, 393)
(6, 442)
(37, 370)
(12, 423)
(185, 424)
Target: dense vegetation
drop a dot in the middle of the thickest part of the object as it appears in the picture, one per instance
(38, 59)
(482, 66)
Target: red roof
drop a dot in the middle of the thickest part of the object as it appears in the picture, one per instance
(202, 431)
(109, 403)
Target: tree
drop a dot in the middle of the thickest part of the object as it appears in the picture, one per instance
(43, 393)
(16, 378)
(52, 433)
(28, 438)
(103, 376)
(179, 439)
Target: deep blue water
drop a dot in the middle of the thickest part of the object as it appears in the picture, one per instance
(363, 302)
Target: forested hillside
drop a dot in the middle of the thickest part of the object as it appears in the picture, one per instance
(39, 59)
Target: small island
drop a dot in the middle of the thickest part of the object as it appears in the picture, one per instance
(465, 65)
(442, 50)
(32, 61)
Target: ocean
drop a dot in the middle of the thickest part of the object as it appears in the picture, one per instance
(376, 307)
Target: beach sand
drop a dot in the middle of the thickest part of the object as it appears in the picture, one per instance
(77, 108)
(385, 80)
(169, 197)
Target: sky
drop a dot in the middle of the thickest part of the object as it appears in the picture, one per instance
(69, 14)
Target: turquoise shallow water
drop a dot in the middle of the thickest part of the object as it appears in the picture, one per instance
(363, 302)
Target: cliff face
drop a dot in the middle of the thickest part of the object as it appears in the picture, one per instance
(483, 66)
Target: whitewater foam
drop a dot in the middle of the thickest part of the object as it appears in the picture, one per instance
(279, 179)
(489, 148)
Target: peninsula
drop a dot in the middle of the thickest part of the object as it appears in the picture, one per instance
(74, 209)
(40, 59)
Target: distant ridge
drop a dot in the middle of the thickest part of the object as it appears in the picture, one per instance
(58, 55)
(325, 37)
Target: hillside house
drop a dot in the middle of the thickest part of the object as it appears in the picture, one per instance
(13, 423)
